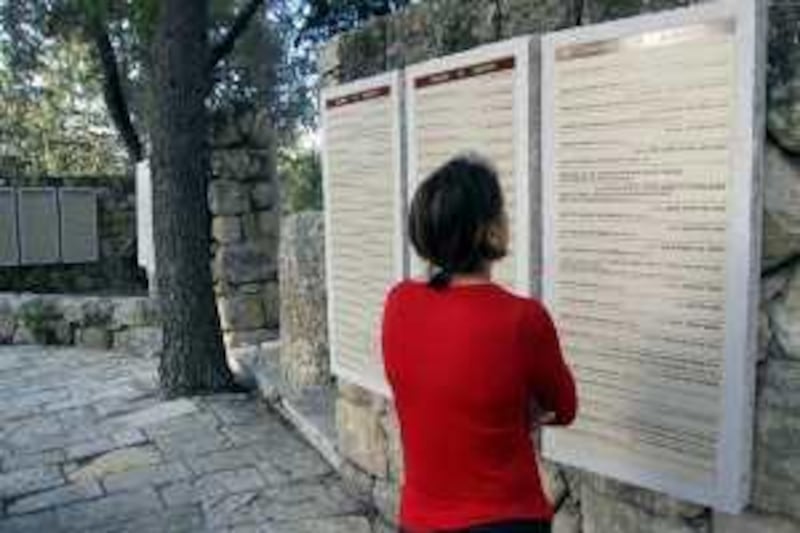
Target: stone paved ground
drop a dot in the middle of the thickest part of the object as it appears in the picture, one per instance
(86, 445)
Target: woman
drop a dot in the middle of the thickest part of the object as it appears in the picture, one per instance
(466, 361)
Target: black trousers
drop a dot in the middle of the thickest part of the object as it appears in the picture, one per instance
(516, 526)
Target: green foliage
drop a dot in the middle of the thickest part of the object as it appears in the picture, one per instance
(325, 18)
(301, 176)
(52, 119)
(41, 319)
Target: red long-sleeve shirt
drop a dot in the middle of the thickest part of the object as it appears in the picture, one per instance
(464, 364)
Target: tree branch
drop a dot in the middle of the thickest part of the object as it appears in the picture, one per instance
(228, 41)
(112, 91)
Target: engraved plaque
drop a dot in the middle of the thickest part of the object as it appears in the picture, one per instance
(364, 220)
(78, 225)
(38, 225)
(9, 246)
(651, 245)
(477, 101)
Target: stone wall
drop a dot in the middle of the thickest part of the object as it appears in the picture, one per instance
(128, 324)
(304, 330)
(367, 429)
(116, 271)
(243, 198)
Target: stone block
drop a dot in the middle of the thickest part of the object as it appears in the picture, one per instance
(553, 481)
(781, 384)
(603, 513)
(781, 201)
(263, 227)
(147, 476)
(29, 480)
(361, 438)
(142, 341)
(358, 483)
(226, 197)
(96, 338)
(37, 522)
(57, 497)
(753, 522)
(156, 414)
(272, 304)
(110, 512)
(243, 164)
(23, 335)
(650, 502)
(130, 312)
(783, 114)
(8, 325)
(244, 312)
(355, 393)
(190, 442)
(63, 334)
(394, 444)
(264, 195)
(250, 288)
(776, 477)
(115, 462)
(784, 313)
(226, 229)
(269, 226)
(244, 263)
(386, 497)
(236, 339)
(91, 448)
(91, 312)
(567, 520)
(334, 524)
(224, 460)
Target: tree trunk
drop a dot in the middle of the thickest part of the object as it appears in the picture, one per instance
(193, 360)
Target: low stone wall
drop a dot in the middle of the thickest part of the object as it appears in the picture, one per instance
(128, 324)
(243, 199)
(366, 424)
(116, 271)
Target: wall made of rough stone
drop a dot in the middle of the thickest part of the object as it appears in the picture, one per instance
(304, 330)
(243, 199)
(367, 429)
(115, 272)
(126, 324)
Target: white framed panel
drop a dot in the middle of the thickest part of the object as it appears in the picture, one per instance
(38, 220)
(364, 220)
(78, 213)
(9, 244)
(145, 244)
(477, 101)
(651, 241)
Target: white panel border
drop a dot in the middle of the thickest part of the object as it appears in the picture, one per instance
(731, 491)
(520, 49)
(145, 242)
(372, 382)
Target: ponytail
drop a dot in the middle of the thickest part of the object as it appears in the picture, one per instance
(440, 279)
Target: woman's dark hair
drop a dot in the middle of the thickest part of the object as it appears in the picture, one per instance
(452, 216)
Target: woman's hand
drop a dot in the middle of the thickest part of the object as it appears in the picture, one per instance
(538, 416)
